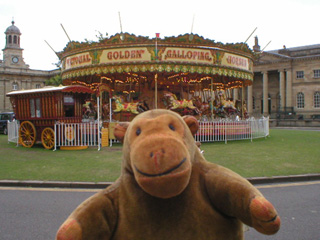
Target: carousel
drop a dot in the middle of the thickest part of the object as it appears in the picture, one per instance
(186, 74)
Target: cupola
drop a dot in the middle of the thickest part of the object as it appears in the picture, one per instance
(12, 36)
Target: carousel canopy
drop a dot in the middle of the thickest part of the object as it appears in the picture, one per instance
(126, 59)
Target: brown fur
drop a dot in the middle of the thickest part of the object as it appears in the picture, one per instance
(167, 190)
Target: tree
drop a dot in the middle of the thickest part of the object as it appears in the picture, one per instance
(54, 81)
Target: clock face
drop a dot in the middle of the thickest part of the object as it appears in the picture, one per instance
(15, 59)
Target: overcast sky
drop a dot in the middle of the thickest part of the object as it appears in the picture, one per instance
(283, 22)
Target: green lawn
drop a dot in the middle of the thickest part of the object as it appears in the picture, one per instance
(284, 152)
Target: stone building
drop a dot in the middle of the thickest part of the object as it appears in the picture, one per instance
(286, 85)
(15, 74)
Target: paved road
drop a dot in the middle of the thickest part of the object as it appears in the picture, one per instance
(299, 208)
(36, 214)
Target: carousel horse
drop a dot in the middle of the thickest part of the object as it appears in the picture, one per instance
(143, 106)
(197, 101)
(245, 112)
(105, 110)
(230, 108)
(89, 110)
(122, 106)
(218, 108)
(240, 109)
(205, 107)
(228, 105)
(174, 103)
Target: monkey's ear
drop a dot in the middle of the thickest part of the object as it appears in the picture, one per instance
(192, 123)
(120, 130)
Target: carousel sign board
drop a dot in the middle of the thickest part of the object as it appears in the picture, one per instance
(121, 55)
(187, 55)
(141, 54)
(170, 54)
(235, 61)
(78, 60)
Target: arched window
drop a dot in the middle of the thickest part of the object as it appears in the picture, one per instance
(300, 100)
(15, 39)
(15, 86)
(316, 100)
(10, 39)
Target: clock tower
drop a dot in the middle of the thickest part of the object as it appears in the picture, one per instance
(12, 53)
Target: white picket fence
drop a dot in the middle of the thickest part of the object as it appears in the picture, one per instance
(13, 131)
(77, 134)
(89, 134)
(229, 130)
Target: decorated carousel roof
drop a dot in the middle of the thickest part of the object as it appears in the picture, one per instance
(186, 59)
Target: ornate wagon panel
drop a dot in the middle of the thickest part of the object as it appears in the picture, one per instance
(38, 109)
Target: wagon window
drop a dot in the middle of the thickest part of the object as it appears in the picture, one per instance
(32, 109)
(35, 109)
(38, 109)
(69, 106)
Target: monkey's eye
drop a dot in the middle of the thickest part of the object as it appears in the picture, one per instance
(172, 127)
(138, 131)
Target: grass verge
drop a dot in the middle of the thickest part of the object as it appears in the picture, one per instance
(284, 152)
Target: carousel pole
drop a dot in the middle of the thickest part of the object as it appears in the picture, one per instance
(156, 90)
(211, 99)
(156, 75)
(156, 53)
(99, 130)
(188, 90)
(110, 117)
(110, 109)
(242, 95)
(181, 89)
(100, 95)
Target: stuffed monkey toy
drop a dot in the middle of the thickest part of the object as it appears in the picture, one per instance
(167, 190)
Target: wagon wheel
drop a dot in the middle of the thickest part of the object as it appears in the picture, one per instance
(47, 138)
(27, 133)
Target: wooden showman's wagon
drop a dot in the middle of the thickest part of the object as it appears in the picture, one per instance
(39, 109)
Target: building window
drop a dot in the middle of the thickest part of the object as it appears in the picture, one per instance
(300, 100)
(300, 74)
(316, 100)
(15, 39)
(10, 39)
(38, 85)
(15, 86)
(316, 73)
